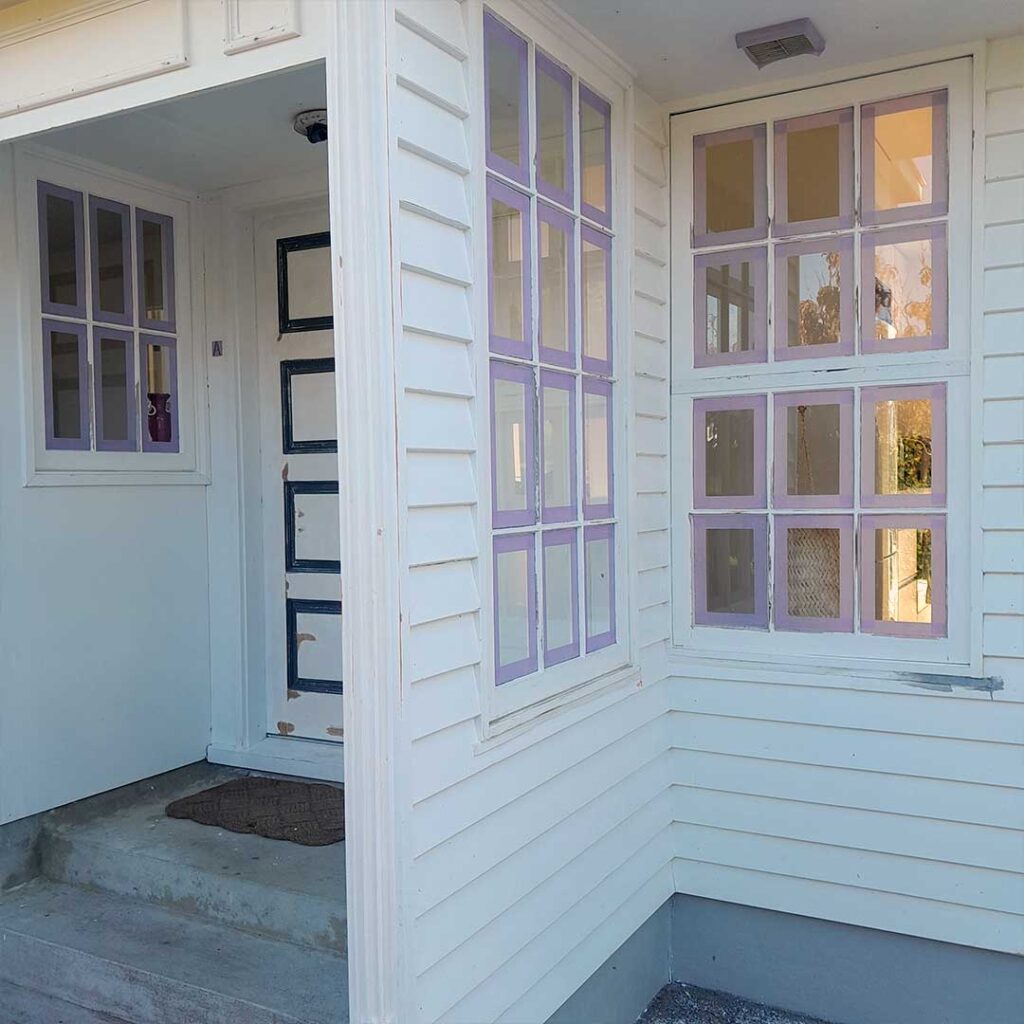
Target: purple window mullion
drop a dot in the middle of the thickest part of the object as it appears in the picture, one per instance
(603, 242)
(805, 623)
(129, 444)
(521, 348)
(82, 442)
(503, 544)
(758, 351)
(701, 236)
(939, 205)
(868, 622)
(593, 386)
(148, 445)
(124, 212)
(936, 234)
(558, 74)
(758, 404)
(567, 383)
(77, 309)
(782, 226)
(167, 246)
(701, 524)
(517, 517)
(563, 538)
(603, 531)
(558, 221)
(497, 33)
(785, 401)
(847, 317)
(936, 394)
(602, 107)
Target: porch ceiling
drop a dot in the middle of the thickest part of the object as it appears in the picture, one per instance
(686, 49)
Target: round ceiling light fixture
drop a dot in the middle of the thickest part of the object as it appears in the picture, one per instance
(312, 124)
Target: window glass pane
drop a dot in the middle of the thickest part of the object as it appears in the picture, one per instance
(730, 573)
(903, 289)
(556, 403)
(730, 308)
(594, 148)
(65, 385)
(596, 449)
(505, 93)
(110, 269)
(813, 298)
(729, 185)
(812, 179)
(506, 271)
(154, 273)
(114, 370)
(729, 452)
(61, 242)
(813, 439)
(595, 302)
(813, 572)
(559, 596)
(903, 574)
(903, 156)
(160, 387)
(512, 587)
(552, 129)
(511, 477)
(903, 446)
(599, 586)
(555, 246)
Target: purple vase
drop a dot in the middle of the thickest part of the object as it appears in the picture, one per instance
(159, 417)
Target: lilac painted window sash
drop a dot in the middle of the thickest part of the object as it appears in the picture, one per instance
(167, 245)
(521, 348)
(758, 404)
(77, 308)
(782, 225)
(99, 335)
(504, 543)
(939, 205)
(546, 66)
(602, 532)
(785, 401)
(551, 379)
(758, 525)
(701, 236)
(563, 538)
(557, 220)
(936, 234)
(603, 108)
(603, 388)
(805, 623)
(82, 442)
(96, 204)
(496, 33)
(868, 622)
(847, 316)
(145, 341)
(758, 352)
(936, 394)
(516, 517)
(602, 241)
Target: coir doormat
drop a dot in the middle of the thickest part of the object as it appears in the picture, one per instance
(309, 813)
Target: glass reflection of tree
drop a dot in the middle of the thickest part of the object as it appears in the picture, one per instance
(818, 322)
(898, 313)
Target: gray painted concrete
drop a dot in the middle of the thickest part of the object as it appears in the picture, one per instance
(839, 972)
(22, 1006)
(684, 1004)
(19, 852)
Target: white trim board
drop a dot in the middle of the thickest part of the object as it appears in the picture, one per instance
(310, 759)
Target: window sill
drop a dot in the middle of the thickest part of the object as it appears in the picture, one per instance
(117, 478)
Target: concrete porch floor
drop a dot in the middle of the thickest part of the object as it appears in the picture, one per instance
(686, 1004)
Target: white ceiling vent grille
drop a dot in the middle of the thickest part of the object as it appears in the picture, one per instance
(777, 42)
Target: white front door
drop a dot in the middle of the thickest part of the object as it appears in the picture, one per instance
(299, 467)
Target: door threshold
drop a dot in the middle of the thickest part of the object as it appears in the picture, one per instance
(310, 759)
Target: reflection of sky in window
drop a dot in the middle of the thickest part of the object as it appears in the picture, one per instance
(813, 275)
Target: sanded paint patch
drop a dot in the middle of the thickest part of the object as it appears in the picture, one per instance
(335, 730)
(285, 728)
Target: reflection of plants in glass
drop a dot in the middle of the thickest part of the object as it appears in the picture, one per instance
(914, 462)
(906, 317)
(924, 560)
(818, 321)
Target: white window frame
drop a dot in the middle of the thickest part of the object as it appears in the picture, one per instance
(510, 706)
(958, 652)
(49, 467)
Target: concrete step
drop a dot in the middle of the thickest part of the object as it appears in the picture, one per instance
(150, 965)
(126, 845)
(23, 1006)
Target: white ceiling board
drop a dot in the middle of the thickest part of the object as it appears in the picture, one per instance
(230, 136)
(686, 48)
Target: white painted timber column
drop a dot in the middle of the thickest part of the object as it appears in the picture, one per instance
(364, 346)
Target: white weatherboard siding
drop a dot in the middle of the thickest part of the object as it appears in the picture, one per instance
(878, 805)
(533, 860)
